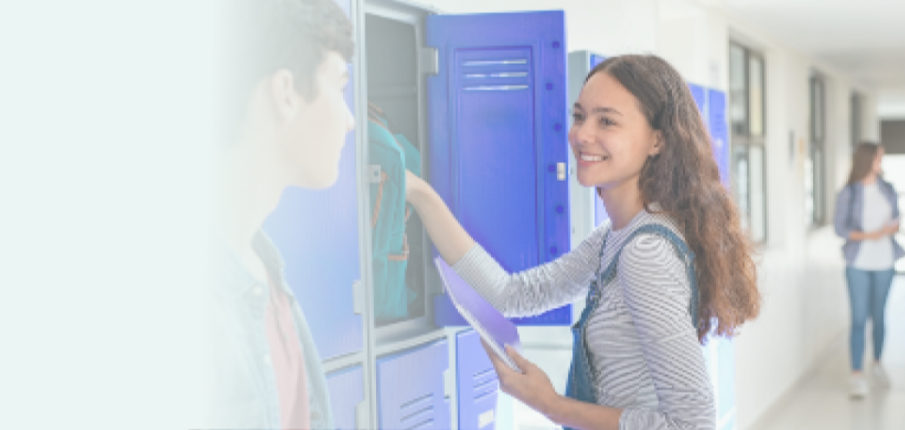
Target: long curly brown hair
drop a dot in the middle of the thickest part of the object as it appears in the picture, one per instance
(683, 179)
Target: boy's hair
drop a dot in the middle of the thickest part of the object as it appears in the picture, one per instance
(259, 37)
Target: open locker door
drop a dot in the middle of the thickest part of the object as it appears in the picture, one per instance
(317, 233)
(498, 132)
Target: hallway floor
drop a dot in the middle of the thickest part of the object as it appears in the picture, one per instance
(822, 401)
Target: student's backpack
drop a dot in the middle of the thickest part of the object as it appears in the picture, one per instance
(389, 157)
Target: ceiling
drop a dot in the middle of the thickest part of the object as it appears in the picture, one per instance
(863, 38)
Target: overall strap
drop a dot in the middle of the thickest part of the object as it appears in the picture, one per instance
(684, 253)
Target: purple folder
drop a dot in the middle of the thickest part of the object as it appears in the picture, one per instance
(493, 327)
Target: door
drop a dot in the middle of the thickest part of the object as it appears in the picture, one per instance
(411, 389)
(477, 383)
(317, 234)
(498, 133)
(347, 391)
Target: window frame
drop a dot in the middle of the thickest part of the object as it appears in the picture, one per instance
(817, 153)
(856, 105)
(742, 141)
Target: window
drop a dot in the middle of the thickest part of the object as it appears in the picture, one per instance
(815, 165)
(748, 126)
(856, 105)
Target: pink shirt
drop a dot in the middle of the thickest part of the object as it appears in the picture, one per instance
(287, 361)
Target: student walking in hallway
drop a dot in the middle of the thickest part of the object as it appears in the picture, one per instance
(867, 216)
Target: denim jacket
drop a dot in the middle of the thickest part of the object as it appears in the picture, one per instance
(849, 211)
(243, 392)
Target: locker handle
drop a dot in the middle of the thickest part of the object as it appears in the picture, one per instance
(561, 171)
(449, 383)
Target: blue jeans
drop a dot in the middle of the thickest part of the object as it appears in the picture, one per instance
(867, 291)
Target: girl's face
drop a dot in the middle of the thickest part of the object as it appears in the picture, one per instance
(877, 161)
(610, 136)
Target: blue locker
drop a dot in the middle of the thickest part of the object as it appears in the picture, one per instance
(410, 389)
(700, 99)
(477, 383)
(346, 392)
(317, 234)
(719, 131)
(596, 59)
(497, 126)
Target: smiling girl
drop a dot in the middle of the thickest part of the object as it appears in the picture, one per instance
(672, 266)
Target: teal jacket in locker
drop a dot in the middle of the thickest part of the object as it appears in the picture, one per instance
(393, 154)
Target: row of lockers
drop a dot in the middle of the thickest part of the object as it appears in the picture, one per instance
(414, 392)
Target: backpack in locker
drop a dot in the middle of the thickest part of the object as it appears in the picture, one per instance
(392, 155)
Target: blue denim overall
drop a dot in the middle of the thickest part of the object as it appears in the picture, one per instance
(580, 386)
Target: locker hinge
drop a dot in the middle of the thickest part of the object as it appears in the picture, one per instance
(362, 420)
(358, 297)
(561, 171)
(449, 383)
(429, 59)
(374, 173)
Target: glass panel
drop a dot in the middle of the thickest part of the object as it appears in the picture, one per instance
(819, 192)
(817, 108)
(757, 193)
(856, 119)
(738, 98)
(756, 94)
(809, 189)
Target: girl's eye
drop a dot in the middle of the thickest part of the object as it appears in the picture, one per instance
(604, 121)
(577, 117)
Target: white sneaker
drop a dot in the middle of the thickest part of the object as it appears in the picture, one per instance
(880, 376)
(857, 387)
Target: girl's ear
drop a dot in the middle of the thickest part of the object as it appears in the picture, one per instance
(658, 143)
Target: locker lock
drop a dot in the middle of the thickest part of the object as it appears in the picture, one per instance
(561, 171)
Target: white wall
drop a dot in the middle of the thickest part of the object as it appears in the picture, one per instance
(801, 270)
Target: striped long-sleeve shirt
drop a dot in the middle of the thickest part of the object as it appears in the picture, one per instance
(645, 356)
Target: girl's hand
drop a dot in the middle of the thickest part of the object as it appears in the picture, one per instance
(887, 230)
(533, 387)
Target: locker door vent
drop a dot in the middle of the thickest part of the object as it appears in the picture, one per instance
(484, 384)
(492, 74)
(418, 413)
